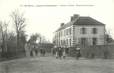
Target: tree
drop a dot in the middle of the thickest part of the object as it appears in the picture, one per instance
(108, 37)
(11, 44)
(22, 37)
(37, 38)
(19, 23)
(33, 38)
(22, 41)
(3, 27)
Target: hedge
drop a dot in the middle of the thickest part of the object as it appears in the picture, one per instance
(97, 51)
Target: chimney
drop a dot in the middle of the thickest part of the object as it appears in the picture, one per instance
(62, 24)
(74, 17)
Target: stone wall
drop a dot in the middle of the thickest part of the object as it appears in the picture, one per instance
(99, 51)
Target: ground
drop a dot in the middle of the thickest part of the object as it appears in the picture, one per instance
(52, 65)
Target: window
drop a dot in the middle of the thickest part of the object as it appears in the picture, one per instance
(64, 42)
(94, 41)
(83, 41)
(83, 30)
(67, 42)
(70, 31)
(67, 31)
(61, 42)
(70, 42)
(94, 30)
(59, 34)
(64, 32)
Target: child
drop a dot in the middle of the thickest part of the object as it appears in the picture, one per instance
(64, 54)
(56, 54)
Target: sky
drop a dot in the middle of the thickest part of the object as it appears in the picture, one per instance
(47, 19)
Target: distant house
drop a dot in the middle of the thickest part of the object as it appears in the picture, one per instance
(80, 30)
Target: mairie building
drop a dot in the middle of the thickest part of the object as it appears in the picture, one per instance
(81, 30)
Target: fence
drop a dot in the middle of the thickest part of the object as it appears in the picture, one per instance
(98, 51)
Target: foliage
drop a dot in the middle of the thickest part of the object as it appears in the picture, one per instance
(19, 23)
(33, 38)
(13, 44)
(108, 38)
(3, 29)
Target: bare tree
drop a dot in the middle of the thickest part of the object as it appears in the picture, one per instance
(3, 27)
(19, 23)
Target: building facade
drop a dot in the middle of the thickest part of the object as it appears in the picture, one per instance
(80, 31)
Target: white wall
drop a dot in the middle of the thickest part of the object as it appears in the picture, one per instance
(89, 34)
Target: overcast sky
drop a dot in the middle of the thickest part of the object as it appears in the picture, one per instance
(47, 19)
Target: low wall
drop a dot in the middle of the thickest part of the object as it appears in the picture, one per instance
(99, 51)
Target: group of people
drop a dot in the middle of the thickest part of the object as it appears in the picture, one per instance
(61, 52)
(32, 50)
(42, 51)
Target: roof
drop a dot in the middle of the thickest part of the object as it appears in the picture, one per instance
(87, 21)
(82, 21)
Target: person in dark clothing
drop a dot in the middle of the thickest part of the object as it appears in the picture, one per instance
(77, 53)
(60, 52)
(31, 54)
(57, 52)
(64, 53)
(36, 52)
(54, 49)
(43, 52)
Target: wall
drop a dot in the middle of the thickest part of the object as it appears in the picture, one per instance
(99, 51)
(89, 34)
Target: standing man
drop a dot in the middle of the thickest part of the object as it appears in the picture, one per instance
(40, 50)
(54, 50)
(77, 53)
(57, 52)
(43, 51)
(64, 53)
(60, 52)
(27, 49)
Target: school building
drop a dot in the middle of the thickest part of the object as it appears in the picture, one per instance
(81, 30)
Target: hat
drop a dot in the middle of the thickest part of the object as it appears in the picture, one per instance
(78, 48)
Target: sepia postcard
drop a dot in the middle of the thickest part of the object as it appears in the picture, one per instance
(56, 36)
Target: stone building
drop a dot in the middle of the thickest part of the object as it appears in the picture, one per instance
(81, 30)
